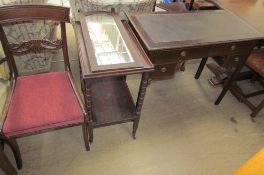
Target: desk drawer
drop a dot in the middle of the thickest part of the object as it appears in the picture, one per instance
(242, 47)
(231, 48)
(234, 60)
(220, 49)
(171, 55)
(164, 70)
(166, 56)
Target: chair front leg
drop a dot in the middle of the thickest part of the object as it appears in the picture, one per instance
(2, 144)
(16, 151)
(6, 165)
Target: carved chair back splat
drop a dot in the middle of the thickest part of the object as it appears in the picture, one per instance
(25, 13)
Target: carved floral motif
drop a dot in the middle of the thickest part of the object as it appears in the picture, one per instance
(35, 46)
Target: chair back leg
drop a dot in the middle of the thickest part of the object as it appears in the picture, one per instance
(258, 109)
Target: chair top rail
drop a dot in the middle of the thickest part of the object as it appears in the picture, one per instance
(18, 13)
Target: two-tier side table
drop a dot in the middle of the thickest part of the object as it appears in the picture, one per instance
(108, 53)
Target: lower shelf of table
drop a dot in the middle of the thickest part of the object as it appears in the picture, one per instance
(112, 102)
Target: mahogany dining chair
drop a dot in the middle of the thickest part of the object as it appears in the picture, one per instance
(41, 102)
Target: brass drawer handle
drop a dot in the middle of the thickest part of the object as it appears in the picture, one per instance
(237, 59)
(164, 69)
(183, 53)
(233, 47)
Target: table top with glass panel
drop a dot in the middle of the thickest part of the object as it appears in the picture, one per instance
(107, 47)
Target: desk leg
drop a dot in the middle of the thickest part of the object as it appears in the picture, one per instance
(201, 67)
(140, 100)
(231, 78)
(6, 165)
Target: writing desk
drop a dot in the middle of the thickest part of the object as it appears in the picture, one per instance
(171, 37)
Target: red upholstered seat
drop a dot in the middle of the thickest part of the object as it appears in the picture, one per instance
(40, 102)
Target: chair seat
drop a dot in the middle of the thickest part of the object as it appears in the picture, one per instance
(41, 102)
(256, 62)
